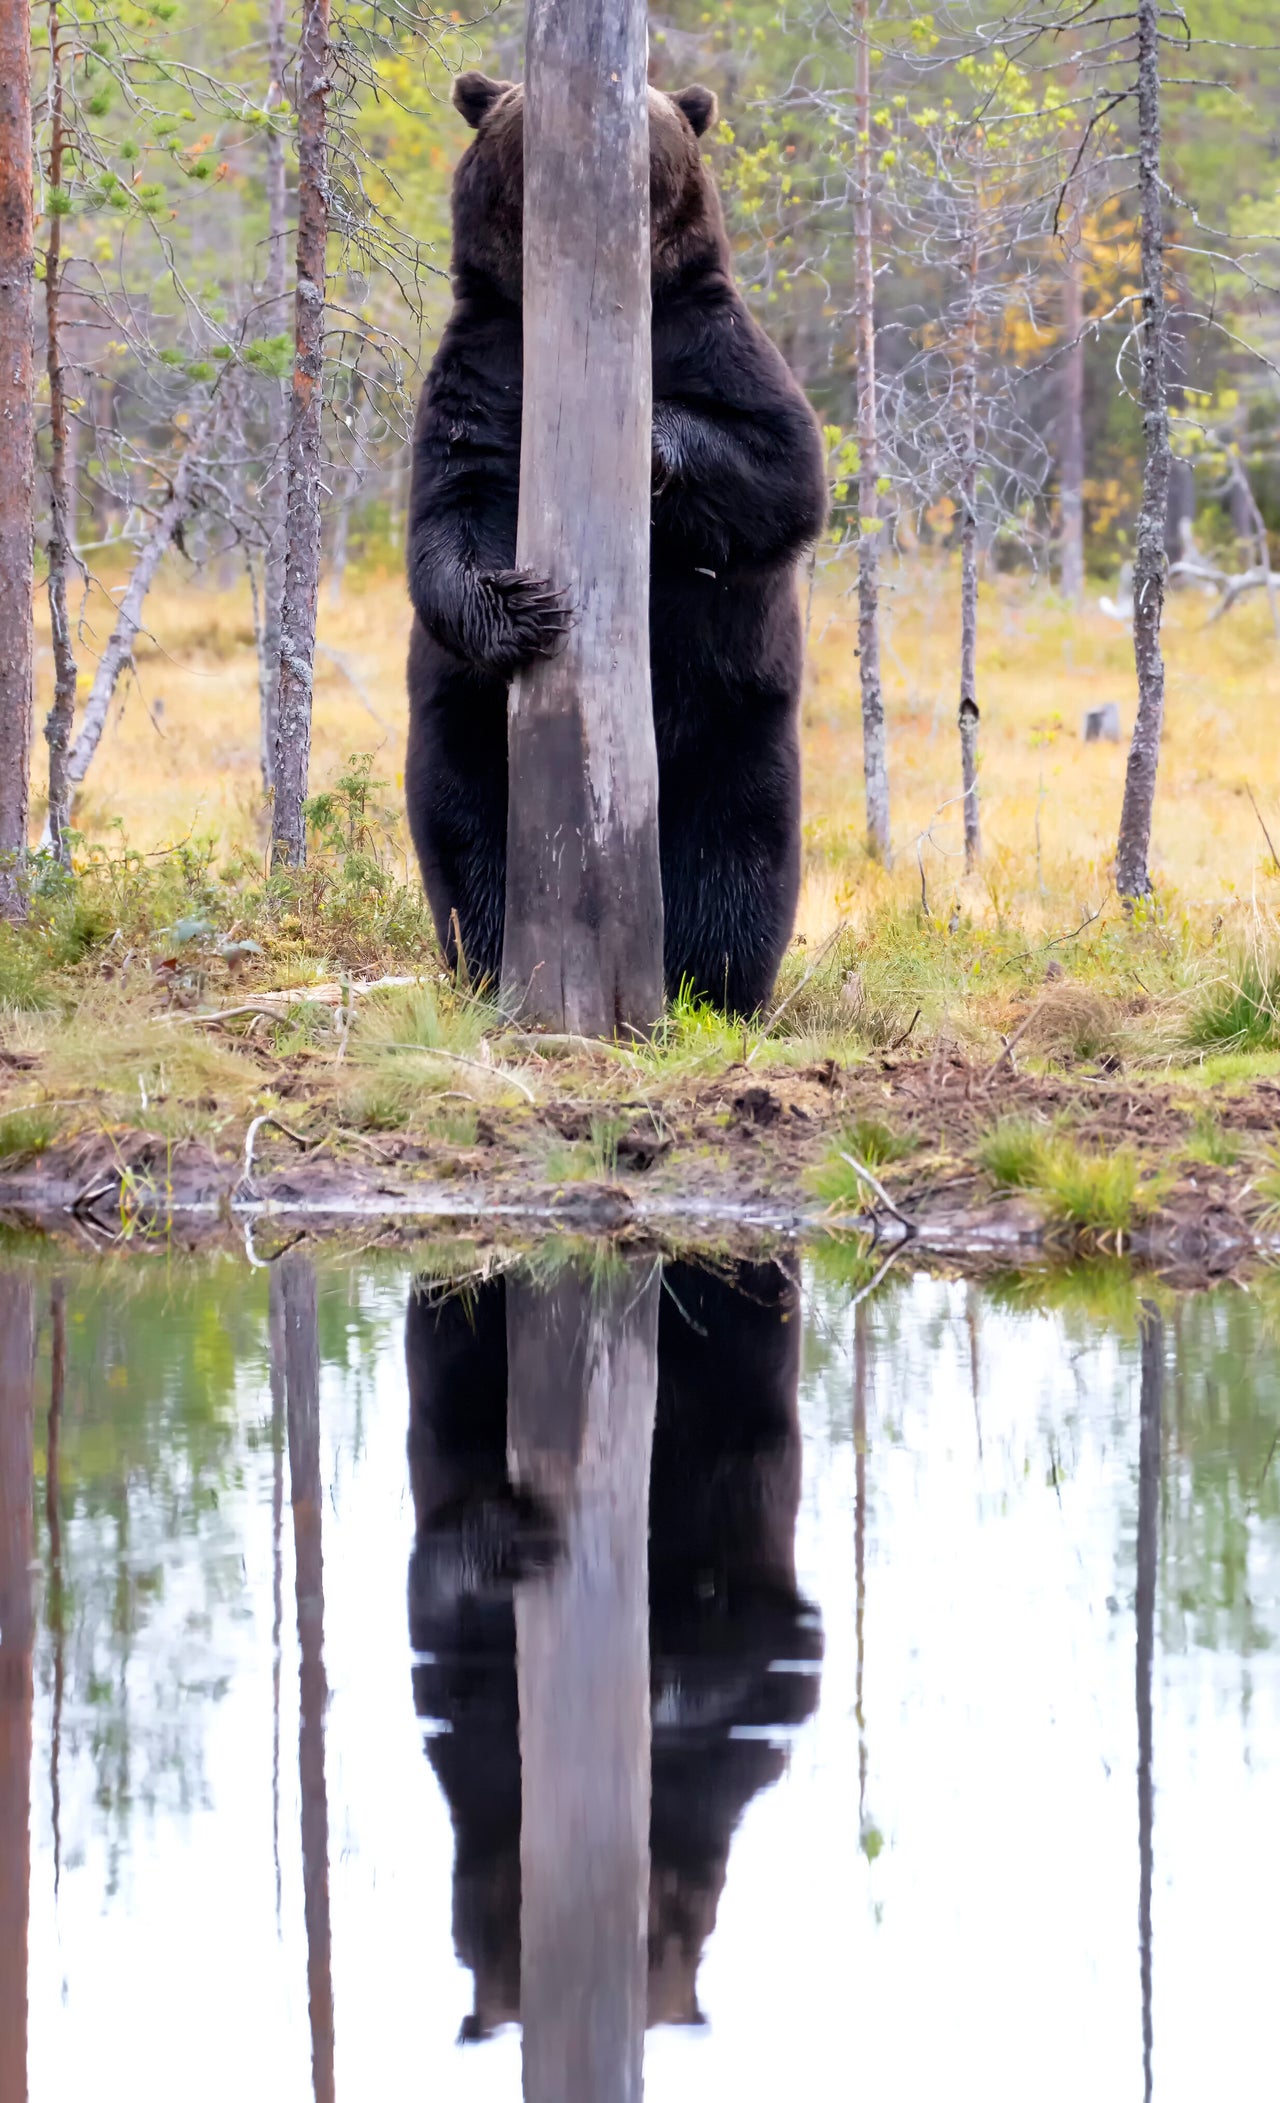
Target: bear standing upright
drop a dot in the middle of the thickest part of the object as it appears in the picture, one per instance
(739, 490)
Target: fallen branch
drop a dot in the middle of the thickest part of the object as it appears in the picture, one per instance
(1008, 1048)
(874, 1184)
(245, 1183)
(1263, 823)
(500, 1073)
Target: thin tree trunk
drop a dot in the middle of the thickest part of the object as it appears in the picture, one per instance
(295, 1279)
(276, 1350)
(59, 721)
(875, 765)
(1071, 446)
(1133, 878)
(276, 489)
(583, 946)
(583, 1383)
(119, 650)
(1151, 1411)
(17, 1634)
(17, 448)
(352, 481)
(302, 530)
(969, 575)
(861, 1388)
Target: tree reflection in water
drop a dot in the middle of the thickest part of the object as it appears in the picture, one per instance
(17, 1633)
(525, 1484)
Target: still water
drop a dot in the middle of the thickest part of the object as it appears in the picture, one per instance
(440, 1679)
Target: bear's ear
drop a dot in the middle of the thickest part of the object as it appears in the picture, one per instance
(474, 95)
(699, 105)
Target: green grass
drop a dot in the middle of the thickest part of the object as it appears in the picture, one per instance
(1241, 1011)
(873, 1144)
(1211, 1144)
(25, 1132)
(1078, 1188)
(1014, 1153)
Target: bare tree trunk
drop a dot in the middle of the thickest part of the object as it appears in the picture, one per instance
(302, 531)
(61, 716)
(1133, 879)
(119, 650)
(969, 576)
(295, 1279)
(276, 491)
(1151, 1410)
(583, 945)
(875, 765)
(861, 1387)
(17, 449)
(583, 1383)
(1071, 445)
(276, 1353)
(352, 483)
(17, 1634)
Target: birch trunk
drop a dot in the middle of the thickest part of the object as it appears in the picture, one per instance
(583, 1383)
(583, 944)
(969, 577)
(302, 528)
(275, 492)
(58, 723)
(17, 1638)
(17, 448)
(119, 649)
(1133, 879)
(875, 765)
(296, 1281)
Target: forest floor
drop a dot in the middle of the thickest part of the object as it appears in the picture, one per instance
(1006, 1054)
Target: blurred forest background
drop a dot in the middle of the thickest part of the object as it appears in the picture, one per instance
(1005, 235)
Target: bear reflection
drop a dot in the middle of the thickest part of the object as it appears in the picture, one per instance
(734, 1648)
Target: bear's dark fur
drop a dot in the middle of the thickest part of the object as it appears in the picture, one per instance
(725, 1611)
(739, 490)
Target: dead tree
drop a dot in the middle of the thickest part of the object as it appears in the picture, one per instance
(276, 487)
(583, 945)
(302, 529)
(57, 729)
(968, 713)
(17, 1635)
(1150, 1421)
(17, 454)
(1133, 879)
(874, 761)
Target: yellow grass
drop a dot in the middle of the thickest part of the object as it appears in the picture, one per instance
(180, 752)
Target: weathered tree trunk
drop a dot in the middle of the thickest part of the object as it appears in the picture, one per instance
(17, 447)
(295, 1279)
(302, 529)
(17, 1636)
(119, 650)
(583, 947)
(1071, 445)
(55, 1597)
(968, 383)
(583, 1382)
(875, 765)
(276, 490)
(1151, 1413)
(58, 723)
(1133, 879)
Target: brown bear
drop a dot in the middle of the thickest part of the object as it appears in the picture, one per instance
(739, 490)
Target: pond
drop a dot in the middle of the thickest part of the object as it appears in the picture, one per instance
(441, 1674)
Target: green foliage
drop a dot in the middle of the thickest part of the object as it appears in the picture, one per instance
(1242, 1011)
(25, 1132)
(1100, 1192)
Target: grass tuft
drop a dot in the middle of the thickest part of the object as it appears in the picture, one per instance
(27, 1132)
(1240, 1013)
(871, 1143)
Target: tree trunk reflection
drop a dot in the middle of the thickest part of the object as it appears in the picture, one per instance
(294, 1280)
(583, 1369)
(17, 1354)
(1151, 1410)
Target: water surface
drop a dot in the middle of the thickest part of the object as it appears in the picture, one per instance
(432, 1677)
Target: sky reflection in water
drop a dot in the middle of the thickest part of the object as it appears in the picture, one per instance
(959, 1657)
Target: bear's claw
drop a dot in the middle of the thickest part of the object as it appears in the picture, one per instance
(524, 616)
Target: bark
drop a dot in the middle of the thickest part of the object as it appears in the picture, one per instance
(58, 723)
(583, 946)
(968, 718)
(276, 490)
(1151, 1411)
(1071, 447)
(351, 481)
(56, 1597)
(1133, 878)
(875, 764)
(295, 1280)
(17, 447)
(583, 1382)
(17, 1634)
(302, 528)
(119, 650)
